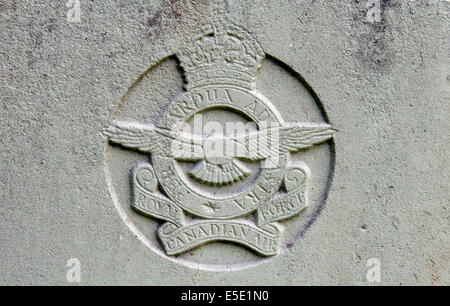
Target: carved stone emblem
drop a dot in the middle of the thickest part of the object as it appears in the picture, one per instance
(231, 184)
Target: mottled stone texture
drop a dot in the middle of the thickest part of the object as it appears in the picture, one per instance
(384, 86)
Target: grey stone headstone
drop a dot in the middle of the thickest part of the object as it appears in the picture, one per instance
(112, 113)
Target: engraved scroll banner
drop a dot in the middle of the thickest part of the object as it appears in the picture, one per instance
(147, 201)
(178, 240)
(288, 205)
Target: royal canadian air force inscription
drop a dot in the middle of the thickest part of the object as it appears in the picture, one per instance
(246, 164)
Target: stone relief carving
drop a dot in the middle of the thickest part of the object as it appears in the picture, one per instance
(220, 66)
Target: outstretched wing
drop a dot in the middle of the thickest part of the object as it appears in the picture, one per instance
(275, 141)
(256, 145)
(295, 137)
(187, 147)
(133, 135)
(147, 138)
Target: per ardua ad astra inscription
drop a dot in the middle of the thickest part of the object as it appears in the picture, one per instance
(219, 173)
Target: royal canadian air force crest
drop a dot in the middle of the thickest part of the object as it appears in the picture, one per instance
(190, 164)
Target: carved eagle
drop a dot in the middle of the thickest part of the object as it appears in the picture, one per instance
(218, 158)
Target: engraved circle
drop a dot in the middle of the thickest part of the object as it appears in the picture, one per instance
(252, 104)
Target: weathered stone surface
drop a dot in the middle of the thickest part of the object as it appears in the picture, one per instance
(375, 188)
